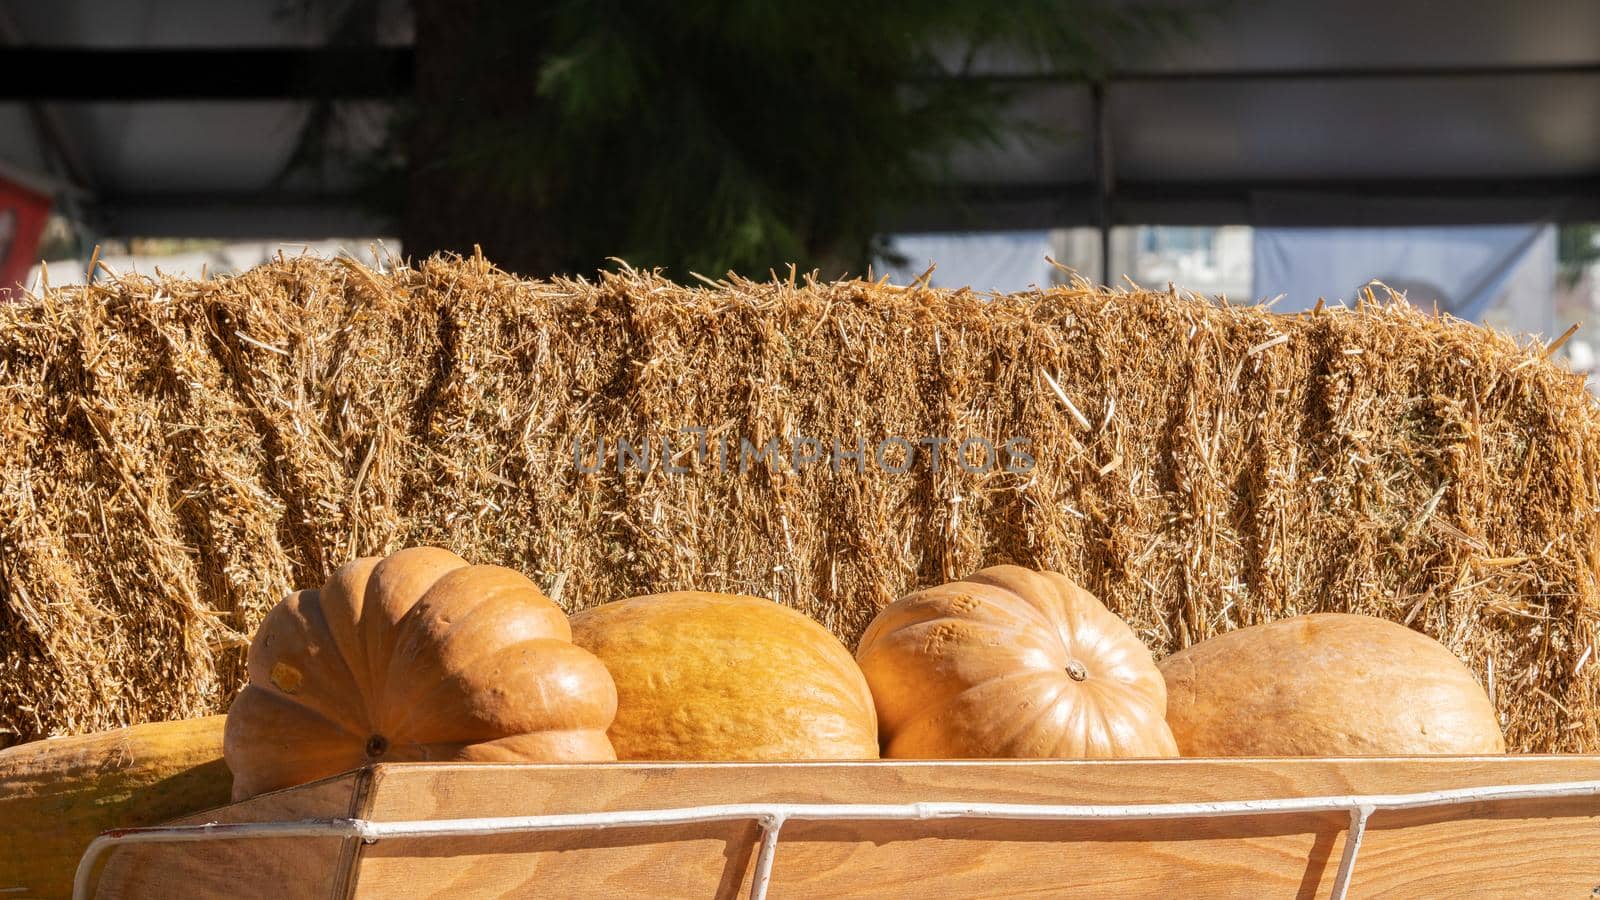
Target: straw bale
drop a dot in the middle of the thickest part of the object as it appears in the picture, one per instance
(177, 455)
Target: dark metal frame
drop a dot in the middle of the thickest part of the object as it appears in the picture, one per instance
(278, 73)
(220, 73)
(171, 74)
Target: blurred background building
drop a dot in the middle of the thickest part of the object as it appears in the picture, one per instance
(1256, 149)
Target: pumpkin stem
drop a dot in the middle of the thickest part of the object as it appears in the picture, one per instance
(377, 745)
(1076, 671)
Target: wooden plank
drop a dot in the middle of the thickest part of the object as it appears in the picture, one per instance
(244, 868)
(1523, 848)
(1542, 848)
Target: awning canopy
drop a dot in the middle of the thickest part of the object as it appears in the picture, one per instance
(1292, 113)
(175, 117)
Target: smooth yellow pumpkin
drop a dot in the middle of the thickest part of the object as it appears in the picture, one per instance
(417, 656)
(703, 676)
(1010, 662)
(1329, 684)
(57, 794)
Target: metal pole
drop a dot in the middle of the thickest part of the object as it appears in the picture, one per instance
(770, 826)
(1104, 179)
(1352, 846)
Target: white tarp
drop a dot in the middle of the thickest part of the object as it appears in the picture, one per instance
(222, 260)
(1503, 275)
(989, 260)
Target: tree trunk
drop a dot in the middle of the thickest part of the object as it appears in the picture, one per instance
(467, 77)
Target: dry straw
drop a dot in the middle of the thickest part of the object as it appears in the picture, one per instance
(176, 455)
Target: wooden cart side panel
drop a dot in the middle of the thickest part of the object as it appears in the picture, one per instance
(1525, 848)
(1508, 849)
(1524, 857)
(823, 860)
(285, 867)
(469, 790)
(699, 861)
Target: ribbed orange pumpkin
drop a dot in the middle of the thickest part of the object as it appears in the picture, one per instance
(417, 656)
(1010, 662)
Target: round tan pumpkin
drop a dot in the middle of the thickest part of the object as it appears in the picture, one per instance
(1012, 663)
(417, 656)
(1329, 684)
(703, 676)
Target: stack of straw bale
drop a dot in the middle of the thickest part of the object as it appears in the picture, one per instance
(176, 455)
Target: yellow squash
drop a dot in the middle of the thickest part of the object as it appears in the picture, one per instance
(704, 676)
(57, 794)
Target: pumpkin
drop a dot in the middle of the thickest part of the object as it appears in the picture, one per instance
(57, 794)
(1329, 684)
(705, 676)
(1011, 662)
(417, 656)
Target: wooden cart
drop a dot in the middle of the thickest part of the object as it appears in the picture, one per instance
(1407, 827)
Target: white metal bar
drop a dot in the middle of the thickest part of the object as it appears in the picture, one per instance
(1352, 846)
(779, 812)
(770, 827)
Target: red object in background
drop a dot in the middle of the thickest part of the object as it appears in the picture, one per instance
(22, 216)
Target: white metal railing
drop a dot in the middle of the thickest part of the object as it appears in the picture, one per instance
(772, 816)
